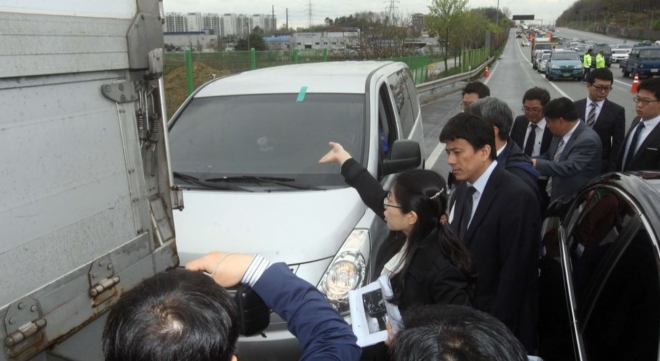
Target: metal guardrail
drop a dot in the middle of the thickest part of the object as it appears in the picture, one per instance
(430, 89)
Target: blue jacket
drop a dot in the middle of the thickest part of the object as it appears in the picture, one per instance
(322, 332)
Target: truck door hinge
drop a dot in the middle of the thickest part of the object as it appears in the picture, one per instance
(122, 92)
(23, 324)
(102, 280)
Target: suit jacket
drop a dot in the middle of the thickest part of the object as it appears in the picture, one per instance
(578, 164)
(504, 237)
(611, 128)
(648, 154)
(430, 278)
(519, 130)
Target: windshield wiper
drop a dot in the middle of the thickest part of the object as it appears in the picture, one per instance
(286, 182)
(206, 184)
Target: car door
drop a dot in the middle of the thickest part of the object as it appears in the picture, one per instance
(599, 286)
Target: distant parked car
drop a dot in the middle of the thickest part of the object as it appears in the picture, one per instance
(626, 47)
(543, 63)
(564, 64)
(619, 55)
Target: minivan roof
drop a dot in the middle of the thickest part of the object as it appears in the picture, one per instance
(348, 77)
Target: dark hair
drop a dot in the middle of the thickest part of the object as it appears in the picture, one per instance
(561, 107)
(496, 112)
(537, 93)
(590, 50)
(417, 190)
(475, 130)
(454, 333)
(175, 315)
(652, 85)
(600, 73)
(477, 87)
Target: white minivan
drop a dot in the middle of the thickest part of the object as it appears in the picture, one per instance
(245, 150)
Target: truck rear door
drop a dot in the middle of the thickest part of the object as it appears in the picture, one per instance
(86, 205)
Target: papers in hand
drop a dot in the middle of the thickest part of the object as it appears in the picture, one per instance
(370, 311)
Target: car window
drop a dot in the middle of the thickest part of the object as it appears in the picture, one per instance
(412, 90)
(387, 129)
(267, 135)
(650, 54)
(615, 278)
(565, 56)
(399, 90)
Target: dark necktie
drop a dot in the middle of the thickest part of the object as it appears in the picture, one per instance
(591, 119)
(531, 139)
(467, 211)
(633, 145)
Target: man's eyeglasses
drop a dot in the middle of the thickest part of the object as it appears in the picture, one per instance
(643, 101)
(531, 110)
(603, 89)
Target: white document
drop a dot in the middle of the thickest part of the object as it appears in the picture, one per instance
(370, 311)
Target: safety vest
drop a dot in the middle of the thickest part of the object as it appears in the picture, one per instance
(600, 61)
(587, 61)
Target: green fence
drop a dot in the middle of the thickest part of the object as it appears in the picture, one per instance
(239, 61)
(471, 59)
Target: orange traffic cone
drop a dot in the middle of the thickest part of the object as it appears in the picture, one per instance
(486, 73)
(635, 84)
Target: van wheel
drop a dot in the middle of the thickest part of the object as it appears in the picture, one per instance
(625, 73)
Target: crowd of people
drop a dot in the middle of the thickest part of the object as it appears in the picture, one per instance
(464, 277)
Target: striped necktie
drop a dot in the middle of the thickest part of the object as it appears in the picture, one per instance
(591, 119)
(560, 149)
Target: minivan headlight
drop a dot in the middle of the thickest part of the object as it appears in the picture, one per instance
(347, 271)
(580, 66)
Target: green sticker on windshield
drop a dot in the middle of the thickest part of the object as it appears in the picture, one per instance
(301, 95)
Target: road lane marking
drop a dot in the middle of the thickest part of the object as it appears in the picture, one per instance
(435, 155)
(543, 76)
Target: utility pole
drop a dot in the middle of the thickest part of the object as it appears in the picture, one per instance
(651, 23)
(309, 13)
(497, 14)
(287, 19)
(273, 26)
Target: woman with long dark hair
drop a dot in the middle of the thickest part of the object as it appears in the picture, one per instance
(424, 258)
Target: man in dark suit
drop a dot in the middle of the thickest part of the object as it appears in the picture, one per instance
(530, 133)
(575, 152)
(641, 150)
(509, 154)
(498, 218)
(605, 117)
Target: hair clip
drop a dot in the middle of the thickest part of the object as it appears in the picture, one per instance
(437, 194)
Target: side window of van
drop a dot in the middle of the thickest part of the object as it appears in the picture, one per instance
(412, 91)
(402, 100)
(387, 129)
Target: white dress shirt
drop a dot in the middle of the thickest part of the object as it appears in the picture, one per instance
(568, 135)
(648, 128)
(540, 128)
(479, 186)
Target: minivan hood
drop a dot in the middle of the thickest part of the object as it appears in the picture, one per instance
(291, 226)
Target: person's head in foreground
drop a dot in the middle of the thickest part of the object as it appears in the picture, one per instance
(175, 315)
(454, 333)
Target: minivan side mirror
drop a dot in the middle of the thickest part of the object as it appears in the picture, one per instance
(405, 154)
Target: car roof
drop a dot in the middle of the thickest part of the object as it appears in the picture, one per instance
(348, 77)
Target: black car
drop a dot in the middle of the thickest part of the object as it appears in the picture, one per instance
(599, 289)
(607, 52)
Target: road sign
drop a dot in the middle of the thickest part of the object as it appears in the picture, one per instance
(523, 17)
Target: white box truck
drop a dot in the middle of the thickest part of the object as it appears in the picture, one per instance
(85, 188)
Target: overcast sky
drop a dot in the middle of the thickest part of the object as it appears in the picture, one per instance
(548, 10)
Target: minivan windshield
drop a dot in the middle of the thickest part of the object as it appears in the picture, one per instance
(542, 46)
(567, 55)
(650, 54)
(269, 135)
